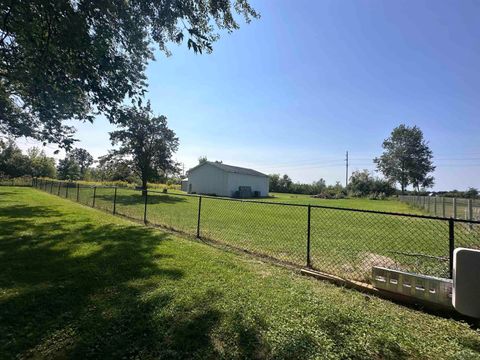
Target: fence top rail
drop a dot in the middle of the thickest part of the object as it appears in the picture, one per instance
(418, 216)
(388, 213)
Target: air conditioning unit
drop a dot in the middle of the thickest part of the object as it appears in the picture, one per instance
(466, 281)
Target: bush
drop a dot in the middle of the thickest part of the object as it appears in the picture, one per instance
(377, 196)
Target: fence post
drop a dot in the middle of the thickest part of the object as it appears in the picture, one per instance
(66, 190)
(59, 187)
(198, 217)
(443, 206)
(470, 213)
(78, 191)
(51, 187)
(470, 209)
(115, 201)
(454, 208)
(451, 243)
(94, 195)
(309, 262)
(435, 205)
(145, 209)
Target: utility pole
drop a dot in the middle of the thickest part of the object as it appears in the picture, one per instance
(346, 169)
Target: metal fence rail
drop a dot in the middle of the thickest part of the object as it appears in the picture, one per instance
(342, 242)
(458, 208)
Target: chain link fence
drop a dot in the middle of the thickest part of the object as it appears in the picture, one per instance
(338, 241)
(458, 208)
(18, 181)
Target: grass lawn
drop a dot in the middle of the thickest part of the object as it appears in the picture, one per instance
(343, 243)
(78, 283)
(391, 205)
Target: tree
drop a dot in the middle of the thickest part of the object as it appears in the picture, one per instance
(202, 159)
(145, 141)
(407, 158)
(114, 168)
(13, 163)
(360, 183)
(68, 169)
(363, 183)
(274, 180)
(285, 183)
(40, 164)
(471, 193)
(83, 158)
(68, 59)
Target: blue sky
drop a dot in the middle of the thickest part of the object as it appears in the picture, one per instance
(291, 92)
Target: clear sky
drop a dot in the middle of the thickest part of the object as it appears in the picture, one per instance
(291, 92)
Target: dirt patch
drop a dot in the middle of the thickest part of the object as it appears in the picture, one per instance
(362, 269)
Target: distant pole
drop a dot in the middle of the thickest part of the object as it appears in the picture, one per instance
(346, 169)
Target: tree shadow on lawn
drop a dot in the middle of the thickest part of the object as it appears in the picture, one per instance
(86, 291)
(138, 199)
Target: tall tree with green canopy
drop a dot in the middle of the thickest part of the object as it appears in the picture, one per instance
(73, 59)
(145, 141)
(40, 164)
(407, 158)
(13, 163)
(68, 169)
(83, 158)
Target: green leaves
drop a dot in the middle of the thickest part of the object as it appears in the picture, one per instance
(63, 60)
(407, 158)
(146, 141)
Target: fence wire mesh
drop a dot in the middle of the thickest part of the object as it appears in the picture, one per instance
(18, 181)
(273, 230)
(174, 211)
(342, 242)
(349, 243)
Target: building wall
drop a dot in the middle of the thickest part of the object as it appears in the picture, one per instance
(257, 183)
(208, 179)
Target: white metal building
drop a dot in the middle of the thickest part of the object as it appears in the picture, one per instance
(215, 178)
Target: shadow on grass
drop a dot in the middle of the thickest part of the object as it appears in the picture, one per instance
(137, 199)
(87, 291)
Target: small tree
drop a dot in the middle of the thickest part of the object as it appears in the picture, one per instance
(68, 169)
(12, 162)
(114, 168)
(285, 183)
(40, 164)
(145, 141)
(83, 158)
(202, 159)
(471, 193)
(406, 158)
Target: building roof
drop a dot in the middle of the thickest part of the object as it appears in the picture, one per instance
(230, 168)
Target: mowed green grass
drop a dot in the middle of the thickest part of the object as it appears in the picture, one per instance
(78, 283)
(389, 205)
(343, 243)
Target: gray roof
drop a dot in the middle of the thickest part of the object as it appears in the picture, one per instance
(231, 169)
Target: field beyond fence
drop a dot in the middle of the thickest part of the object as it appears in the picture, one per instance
(338, 241)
